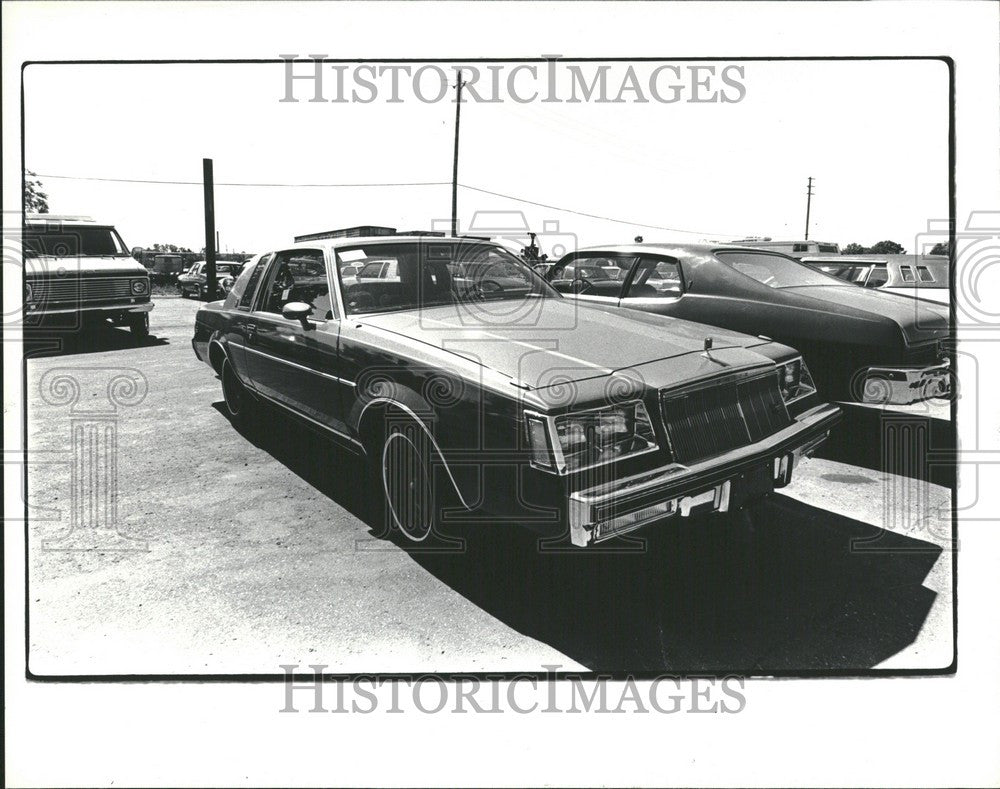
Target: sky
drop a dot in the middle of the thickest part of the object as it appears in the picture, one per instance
(872, 134)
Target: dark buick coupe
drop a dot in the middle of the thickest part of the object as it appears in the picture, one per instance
(862, 345)
(503, 400)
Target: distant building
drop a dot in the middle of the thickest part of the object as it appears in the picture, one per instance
(358, 231)
(365, 231)
(795, 249)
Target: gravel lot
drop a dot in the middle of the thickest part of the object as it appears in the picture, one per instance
(237, 554)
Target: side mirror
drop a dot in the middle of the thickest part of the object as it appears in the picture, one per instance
(297, 311)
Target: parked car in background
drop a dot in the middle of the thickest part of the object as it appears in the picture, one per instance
(577, 421)
(81, 270)
(165, 268)
(227, 280)
(862, 345)
(918, 276)
(194, 281)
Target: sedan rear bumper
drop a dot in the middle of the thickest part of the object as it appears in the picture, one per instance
(714, 485)
(906, 385)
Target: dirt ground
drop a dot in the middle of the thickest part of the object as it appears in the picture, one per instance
(213, 552)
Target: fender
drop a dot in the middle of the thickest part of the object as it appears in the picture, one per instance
(404, 399)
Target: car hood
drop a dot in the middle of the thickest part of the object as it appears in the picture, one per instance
(918, 321)
(85, 266)
(560, 340)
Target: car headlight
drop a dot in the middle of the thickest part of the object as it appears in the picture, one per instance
(572, 442)
(795, 380)
(140, 286)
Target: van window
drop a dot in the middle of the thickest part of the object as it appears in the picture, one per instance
(907, 272)
(878, 277)
(925, 274)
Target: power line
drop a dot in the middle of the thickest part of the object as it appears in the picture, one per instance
(232, 183)
(596, 216)
(394, 184)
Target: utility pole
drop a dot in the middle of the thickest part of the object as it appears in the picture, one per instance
(454, 170)
(210, 237)
(809, 196)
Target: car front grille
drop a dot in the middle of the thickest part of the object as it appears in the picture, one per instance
(83, 289)
(723, 414)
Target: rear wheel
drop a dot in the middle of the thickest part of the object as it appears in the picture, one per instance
(239, 402)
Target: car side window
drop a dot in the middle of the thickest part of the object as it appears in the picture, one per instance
(907, 273)
(252, 278)
(299, 275)
(592, 275)
(656, 278)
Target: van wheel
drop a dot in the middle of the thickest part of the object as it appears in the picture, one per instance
(138, 324)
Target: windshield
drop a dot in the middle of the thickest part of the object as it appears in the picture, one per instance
(775, 271)
(73, 241)
(413, 274)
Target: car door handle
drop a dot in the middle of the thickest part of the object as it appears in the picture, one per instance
(251, 331)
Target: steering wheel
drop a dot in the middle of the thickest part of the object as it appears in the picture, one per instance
(490, 286)
(475, 292)
(585, 285)
(360, 299)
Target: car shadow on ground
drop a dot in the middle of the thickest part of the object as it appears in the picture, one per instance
(95, 338)
(780, 586)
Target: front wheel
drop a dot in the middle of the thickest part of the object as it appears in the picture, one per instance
(407, 482)
(138, 324)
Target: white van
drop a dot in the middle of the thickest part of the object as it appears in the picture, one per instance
(76, 266)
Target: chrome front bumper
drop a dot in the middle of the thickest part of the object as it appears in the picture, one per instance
(713, 485)
(84, 307)
(906, 385)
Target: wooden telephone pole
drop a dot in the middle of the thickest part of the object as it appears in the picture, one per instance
(809, 195)
(454, 170)
(209, 181)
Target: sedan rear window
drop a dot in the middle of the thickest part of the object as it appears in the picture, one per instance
(775, 271)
